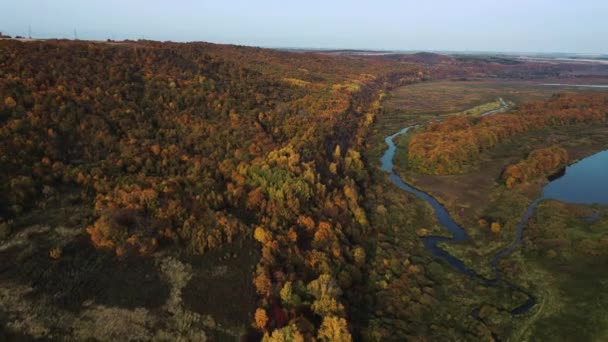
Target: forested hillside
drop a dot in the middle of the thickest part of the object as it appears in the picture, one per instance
(192, 146)
(156, 163)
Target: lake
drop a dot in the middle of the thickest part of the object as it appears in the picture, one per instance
(585, 182)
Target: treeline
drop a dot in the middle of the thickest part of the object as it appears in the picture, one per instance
(538, 163)
(455, 144)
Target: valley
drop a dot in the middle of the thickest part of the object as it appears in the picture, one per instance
(476, 195)
(197, 191)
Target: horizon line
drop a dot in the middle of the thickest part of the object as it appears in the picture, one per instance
(337, 49)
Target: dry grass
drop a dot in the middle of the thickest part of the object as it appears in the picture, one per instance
(30, 312)
(445, 97)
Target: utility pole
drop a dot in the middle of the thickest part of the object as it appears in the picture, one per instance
(29, 31)
(75, 35)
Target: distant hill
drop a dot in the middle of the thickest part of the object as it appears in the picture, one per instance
(431, 58)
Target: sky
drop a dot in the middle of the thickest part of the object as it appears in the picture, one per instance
(579, 26)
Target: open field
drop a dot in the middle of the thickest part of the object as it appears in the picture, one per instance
(422, 102)
(89, 294)
(566, 244)
(444, 97)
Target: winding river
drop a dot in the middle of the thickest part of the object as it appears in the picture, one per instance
(441, 213)
(583, 182)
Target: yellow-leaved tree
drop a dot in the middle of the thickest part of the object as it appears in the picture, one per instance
(334, 329)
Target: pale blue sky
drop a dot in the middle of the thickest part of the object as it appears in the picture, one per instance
(463, 25)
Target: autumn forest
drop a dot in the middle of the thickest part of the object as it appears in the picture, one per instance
(195, 191)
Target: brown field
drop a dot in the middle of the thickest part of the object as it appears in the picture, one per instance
(93, 295)
(443, 97)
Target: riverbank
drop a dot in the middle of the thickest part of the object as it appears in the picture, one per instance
(467, 202)
(480, 193)
(512, 267)
(565, 256)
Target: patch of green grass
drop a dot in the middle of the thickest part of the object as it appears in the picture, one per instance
(577, 272)
(478, 110)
